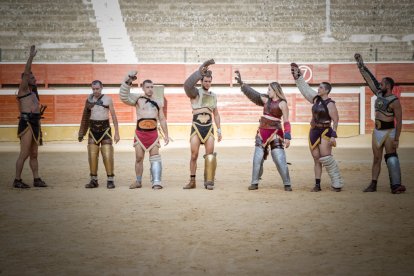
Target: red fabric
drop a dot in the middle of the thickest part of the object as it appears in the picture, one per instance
(266, 134)
(147, 138)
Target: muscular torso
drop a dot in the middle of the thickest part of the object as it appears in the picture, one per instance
(147, 109)
(29, 104)
(207, 104)
(99, 112)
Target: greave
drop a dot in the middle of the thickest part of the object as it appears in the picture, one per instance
(333, 170)
(107, 152)
(156, 169)
(279, 157)
(257, 170)
(93, 154)
(210, 165)
(394, 170)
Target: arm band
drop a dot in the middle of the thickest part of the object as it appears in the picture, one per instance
(287, 129)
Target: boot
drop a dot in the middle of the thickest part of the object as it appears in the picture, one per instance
(92, 184)
(288, 188)
(18, 183)
(371, 188)
(317, 188)
(253, 187)
(191, 184)
(398, 189)
(110, 184)
(135, 185)
(38, 182)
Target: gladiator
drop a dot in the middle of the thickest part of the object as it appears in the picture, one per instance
(386, 134)
(323, 129)
(29, 129)
(149, 110)
(95, 118)
(205, 111)
(270, 133)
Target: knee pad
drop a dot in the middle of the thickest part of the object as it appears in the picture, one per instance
(93, 155)
(333, 170)
(394, 170)
(107, 151)
(156, 169)
(210, 165)
(279, 158)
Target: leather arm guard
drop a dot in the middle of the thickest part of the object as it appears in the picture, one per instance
(84, 126)
(305, 89)
(287, 129)
(252, 94)
(126, 96)
(189, 84)
(191, 81)
(372, 82)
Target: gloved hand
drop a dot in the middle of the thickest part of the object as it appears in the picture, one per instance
(238, 77)
(294, 68)
(132, 75)
(204, 67)
(359, 60)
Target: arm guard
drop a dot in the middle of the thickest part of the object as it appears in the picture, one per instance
(189, 84)
(252, 94)
(372, 82)
(287, 128)
(126, 96)
(305, 89)
(84, 126)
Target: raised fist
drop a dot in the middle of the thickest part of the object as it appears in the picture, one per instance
(204, 67)
(238, 77)
(294, 68)
(132, 75)
(359, 60)
(33, 51)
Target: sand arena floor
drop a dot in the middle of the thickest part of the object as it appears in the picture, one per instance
(69, 230)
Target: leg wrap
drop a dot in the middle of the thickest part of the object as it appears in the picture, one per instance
(257, 170)
(156, 169)
(333, 170)
(279, 157)
(210, 164)
(107, 152)
(394, 171)
(93, 154)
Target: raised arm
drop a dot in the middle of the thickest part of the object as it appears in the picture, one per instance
(250, 93)
(125, 91)
(191, 81)
(372, 82)
(27, 71)
(303, 86)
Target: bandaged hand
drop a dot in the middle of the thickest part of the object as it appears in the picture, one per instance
(132, 75)
(238, 77)
(204, 67)
(294, 68)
